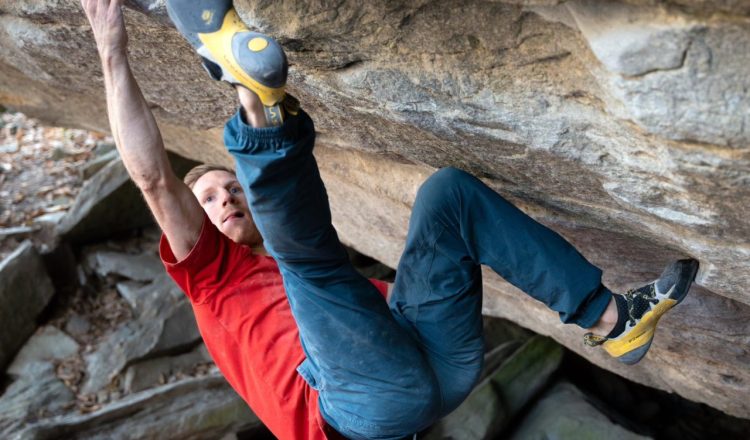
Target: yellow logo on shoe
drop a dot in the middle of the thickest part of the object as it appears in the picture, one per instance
(208, 16)
(257, 44)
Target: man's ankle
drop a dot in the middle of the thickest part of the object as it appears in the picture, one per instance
(253, 112)
(607, 321)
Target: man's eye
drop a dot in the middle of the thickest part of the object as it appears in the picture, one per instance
(235, 190)
(209, 199)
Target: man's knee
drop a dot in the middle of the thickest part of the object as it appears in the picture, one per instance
(444, 185)
(447, 177)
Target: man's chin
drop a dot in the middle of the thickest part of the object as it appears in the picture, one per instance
(239, 234)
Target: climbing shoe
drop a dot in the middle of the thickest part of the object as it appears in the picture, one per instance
(639, 311)
(231, 52)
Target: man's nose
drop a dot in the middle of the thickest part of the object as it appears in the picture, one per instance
(228, 198)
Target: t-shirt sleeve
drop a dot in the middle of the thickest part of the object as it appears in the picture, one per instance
(382, 287)
(203, 271)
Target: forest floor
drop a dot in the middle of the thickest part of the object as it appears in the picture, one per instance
(41, 172)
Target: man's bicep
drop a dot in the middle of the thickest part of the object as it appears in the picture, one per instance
(177, 212)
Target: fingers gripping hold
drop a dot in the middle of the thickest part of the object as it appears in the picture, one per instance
(107, 24)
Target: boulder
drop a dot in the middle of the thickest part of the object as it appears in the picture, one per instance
(25, 290)
(109, 203)
(498, 331)
(180, 329)
(99, 162)
(201, 407)
(144, 267)
(564, 413)
(48, 344)
(671, 73)
(152, 372)
(39, 393)
(620, 124)
(162, 326)
(501, 396)
(36, 392)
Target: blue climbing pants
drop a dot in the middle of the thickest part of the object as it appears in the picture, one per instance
(384, 371)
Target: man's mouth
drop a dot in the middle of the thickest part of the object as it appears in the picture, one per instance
(233, 216)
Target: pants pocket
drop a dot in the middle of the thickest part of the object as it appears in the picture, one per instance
(307, 371)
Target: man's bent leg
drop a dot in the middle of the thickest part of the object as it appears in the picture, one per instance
(373, 379)
(457, 224)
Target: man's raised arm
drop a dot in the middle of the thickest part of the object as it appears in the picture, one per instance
(136, 134)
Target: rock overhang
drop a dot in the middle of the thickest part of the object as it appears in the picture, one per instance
(623, 126)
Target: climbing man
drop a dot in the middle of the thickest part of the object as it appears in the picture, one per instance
(311, 345)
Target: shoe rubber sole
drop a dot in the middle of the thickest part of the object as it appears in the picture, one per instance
(230, 51)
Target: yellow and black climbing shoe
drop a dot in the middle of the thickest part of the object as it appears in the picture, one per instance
(231, 52)
(639, 311)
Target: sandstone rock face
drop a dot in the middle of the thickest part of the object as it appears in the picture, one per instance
(625, 126)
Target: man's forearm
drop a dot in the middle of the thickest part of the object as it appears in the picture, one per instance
(136, 134)
(133, 125)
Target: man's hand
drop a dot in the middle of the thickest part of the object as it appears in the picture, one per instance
(108, 25)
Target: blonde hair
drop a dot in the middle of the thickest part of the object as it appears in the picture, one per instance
(193, 175)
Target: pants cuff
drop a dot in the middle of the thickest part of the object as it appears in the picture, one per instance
(592, 310)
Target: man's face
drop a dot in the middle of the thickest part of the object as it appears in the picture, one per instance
(221, 196)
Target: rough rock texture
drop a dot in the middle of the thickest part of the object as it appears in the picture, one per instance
(110, 203)
(622, 125)
(139, 267)
(48, 344)
(199, 408)
(25, 290)
(565, 414)
(32, 396)
(494, 402)
(163, 324)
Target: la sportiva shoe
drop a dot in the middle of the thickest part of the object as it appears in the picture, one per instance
(643, 308)
(231, 52)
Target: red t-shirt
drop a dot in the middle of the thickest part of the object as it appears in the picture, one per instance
(244, 317)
